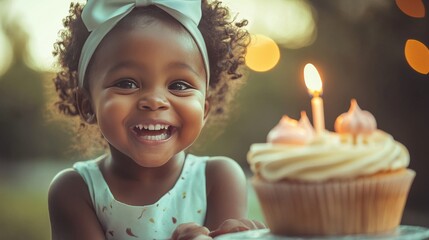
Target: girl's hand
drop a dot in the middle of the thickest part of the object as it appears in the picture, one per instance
(236, 225)
(191, 231)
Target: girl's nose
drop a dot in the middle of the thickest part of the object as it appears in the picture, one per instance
(153, 101)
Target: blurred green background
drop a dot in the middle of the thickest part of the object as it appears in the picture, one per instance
(358, 46)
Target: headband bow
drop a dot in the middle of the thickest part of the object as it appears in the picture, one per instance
(100, 16)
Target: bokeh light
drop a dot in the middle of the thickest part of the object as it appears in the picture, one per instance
(417, 55)
(262, 54)
(413, 8)
(42, 24)
(290, 23)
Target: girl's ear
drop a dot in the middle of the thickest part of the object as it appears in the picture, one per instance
(84, 106)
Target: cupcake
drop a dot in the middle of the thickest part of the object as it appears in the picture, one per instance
(351, 181)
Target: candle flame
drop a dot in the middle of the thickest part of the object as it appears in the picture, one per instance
(312, 79)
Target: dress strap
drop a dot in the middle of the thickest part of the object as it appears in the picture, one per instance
(97, 186)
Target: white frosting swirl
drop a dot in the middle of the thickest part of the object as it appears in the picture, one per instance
(330, 156)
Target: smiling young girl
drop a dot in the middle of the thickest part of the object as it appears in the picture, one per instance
(148, 74)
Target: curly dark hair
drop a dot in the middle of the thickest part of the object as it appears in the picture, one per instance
(226, 41)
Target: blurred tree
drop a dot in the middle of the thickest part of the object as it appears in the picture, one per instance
(24, 133)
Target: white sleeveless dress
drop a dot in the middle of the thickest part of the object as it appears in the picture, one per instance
(185, 202)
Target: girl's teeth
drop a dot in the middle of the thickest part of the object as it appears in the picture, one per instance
(151, 127)
(162, 136)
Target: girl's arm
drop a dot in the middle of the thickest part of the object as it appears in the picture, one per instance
(227, 198)
(70, 209)
(226, 192)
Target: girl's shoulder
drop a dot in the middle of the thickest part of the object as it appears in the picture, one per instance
(222, 163)
(214, 164)
(223, 171)
(68, 188)
(67, 183)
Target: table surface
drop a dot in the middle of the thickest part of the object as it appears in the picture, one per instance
(401, 233)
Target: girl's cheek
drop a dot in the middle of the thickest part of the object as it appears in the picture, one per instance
(114, 110)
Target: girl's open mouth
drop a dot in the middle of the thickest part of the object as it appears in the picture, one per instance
(153, 132)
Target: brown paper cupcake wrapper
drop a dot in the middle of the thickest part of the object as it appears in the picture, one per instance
(364, 205)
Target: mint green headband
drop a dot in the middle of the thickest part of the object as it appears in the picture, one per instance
(100, 16)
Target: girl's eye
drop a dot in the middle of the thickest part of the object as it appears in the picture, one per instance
(126, 84)
(179, 85)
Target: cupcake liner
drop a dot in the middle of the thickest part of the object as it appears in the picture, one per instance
(365, 205)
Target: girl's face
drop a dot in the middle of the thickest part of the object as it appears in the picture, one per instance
(147, 88)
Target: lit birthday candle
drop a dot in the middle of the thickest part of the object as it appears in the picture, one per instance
(314, 85)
